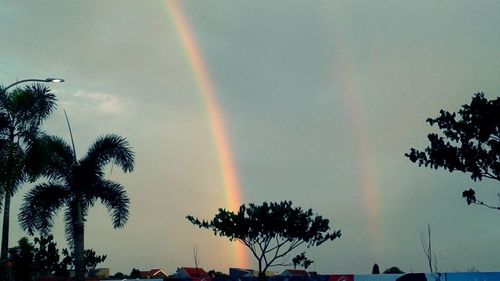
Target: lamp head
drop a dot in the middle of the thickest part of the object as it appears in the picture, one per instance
(54, 80)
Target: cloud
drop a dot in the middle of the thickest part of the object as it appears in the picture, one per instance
(97, 103)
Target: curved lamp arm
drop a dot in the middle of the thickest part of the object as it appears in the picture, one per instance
(46, 80)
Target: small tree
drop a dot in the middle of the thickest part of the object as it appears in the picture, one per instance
(21, 257)
(135, 273)
(271, 230)
(301, 260)
(90, 258)
(375, 269)
(46, 258)
(393, 270)
(119, 275)
(42, 259)
(469, 144)
(427, 247)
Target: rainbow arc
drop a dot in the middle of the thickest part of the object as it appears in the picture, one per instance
(206, 87)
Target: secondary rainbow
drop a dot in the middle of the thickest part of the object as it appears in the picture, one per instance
(215, 116)
(367, 180)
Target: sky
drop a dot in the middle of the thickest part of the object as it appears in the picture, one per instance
(228, 102)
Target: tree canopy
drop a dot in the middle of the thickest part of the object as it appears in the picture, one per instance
(42, 258)
(271, 230)
(393, 270)
(469, 142)
(301, 260)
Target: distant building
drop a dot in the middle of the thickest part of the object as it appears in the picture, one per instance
(153, 274)
(190, 272)
(97, 273)
(235, 273)
(101, 273)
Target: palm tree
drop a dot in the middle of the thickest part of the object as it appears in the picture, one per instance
(22, 112)
(75, 186)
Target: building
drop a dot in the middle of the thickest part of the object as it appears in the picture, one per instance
(235, 273)
(191, 272)
(101, 273)
(153, 274)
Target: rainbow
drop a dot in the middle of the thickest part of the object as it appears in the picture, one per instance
(367, 180)
(215, 116)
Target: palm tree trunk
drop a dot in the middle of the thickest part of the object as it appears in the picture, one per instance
(79, 244)
(5, 228)
(6, 208)
(4, 272)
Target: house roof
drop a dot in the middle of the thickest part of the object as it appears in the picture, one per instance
(152, 273)
(238, 272)
(194, 271)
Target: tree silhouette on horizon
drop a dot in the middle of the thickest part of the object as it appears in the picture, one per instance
(76, 185)
(469, 142)
(270, 230)
(22, 112)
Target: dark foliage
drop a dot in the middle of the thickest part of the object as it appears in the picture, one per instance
(301, 260)
(393, 270)
(469, 142)
(217, 275)
(22, 112)
(375, 269)
(21, 259)
(75, 186)
(43, 259)
(119, 275)
(135, 273)
(271, 230)
(90, 257)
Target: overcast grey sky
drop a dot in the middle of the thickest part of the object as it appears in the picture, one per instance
(321, 100)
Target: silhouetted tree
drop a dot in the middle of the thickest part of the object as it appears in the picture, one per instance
(135, 273)
(41, 258)
(76, 185)
(21, 257)
(375, 269)
(46, 256)
(22, 112)
(271, 230)
(301, 260)
(217, 274)
(393, 270)
(469, 143)
(119, 275)
(90, 257)
(427, 247)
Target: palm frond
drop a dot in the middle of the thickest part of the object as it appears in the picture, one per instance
(110, 148)
(69, 220)
(115, 199)
(44, 102)
(12, 167)
(40, 206)
(50, 156)
(33, 104)
(4, 123)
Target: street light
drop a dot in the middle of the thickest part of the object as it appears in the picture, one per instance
(46, 80)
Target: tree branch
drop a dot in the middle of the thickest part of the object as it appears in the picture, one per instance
(478, 202)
